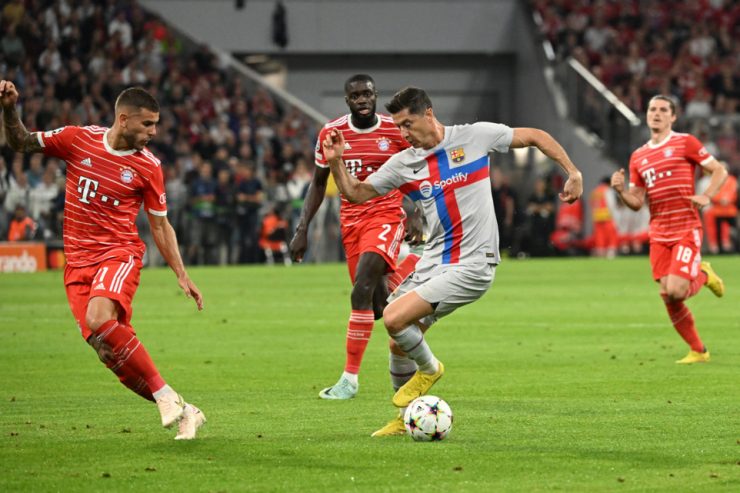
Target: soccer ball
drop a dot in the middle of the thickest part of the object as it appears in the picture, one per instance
(428, 418)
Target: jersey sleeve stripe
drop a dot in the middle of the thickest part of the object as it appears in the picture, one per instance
(157, 213)
(40, 139)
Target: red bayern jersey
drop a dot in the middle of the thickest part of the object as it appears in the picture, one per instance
(365, 150)
(104, 192)
(667, 172)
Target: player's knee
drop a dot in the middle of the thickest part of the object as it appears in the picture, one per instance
(393, 320)
(95, 320)
(674, 295)
(362, 294)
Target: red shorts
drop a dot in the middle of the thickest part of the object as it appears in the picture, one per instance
(381, 234)
(680, 258)
(114, 279)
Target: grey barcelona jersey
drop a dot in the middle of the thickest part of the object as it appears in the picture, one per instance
(451, 184)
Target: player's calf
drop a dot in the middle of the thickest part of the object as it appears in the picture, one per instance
(129, 379)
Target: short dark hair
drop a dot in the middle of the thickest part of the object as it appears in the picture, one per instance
(662, 97)
(411, 98)
(358, 78)
(137, 97)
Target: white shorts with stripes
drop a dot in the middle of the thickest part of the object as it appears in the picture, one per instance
(447, 287)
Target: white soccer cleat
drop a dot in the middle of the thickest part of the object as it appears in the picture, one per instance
(192, 419)
(343, 389)
(171, 408)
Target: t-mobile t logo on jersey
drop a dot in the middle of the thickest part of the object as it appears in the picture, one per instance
(649, 177)
(88, 189)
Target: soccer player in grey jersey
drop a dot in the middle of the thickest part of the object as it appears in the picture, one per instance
(446, 173)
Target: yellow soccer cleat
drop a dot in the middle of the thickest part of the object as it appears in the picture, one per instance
(694, 357)
(419, 385)
(714, 282)
(394, 427)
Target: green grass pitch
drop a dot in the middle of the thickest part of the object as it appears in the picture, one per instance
(562, 378)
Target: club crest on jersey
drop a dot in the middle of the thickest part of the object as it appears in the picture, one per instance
(457, 155)
(127, 175)
(668, 152)
(383, 144)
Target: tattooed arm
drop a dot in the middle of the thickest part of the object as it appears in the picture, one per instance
(18, 137)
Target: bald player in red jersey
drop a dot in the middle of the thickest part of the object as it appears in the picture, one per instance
(372, 233)
(664, 171)
(110, 173)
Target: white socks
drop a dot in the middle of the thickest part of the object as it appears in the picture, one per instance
(411, 341)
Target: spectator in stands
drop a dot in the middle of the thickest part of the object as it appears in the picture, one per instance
(22, 227)
(19, 192)
(249, 197)
(203, 230)
(4, 186)
(274, 237)
(119, 25)
(505, 206)
(41, 200)
(224, 201)
(602, 202)
(540, 220)
(13, 12)
(177, 196)
(297, 186)
(12, 47)
(567, 238)
(721, 216)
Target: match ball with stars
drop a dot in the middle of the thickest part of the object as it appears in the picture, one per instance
(428, 418)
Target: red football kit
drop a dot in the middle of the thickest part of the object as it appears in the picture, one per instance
(667, 172)
(375, 225)
(104, 191)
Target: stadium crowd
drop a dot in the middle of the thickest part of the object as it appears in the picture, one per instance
(230, 154)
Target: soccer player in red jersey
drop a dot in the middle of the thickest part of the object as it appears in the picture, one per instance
(663, 170)
(110, 172)
(371, 232)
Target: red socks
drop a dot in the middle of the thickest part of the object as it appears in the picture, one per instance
(697, 283)
(683, 321)
(361, 321)
(402, 271)
(358, 335)
(131, 361)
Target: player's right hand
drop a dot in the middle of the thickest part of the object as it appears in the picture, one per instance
(298, 246)
(618, 180)
(333, 145)
(8, 94)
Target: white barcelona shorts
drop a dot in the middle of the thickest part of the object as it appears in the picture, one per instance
(447, 287)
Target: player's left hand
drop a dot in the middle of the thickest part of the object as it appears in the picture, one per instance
(573, 188)
(333, 145)
(191, 290)
(699, 201)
